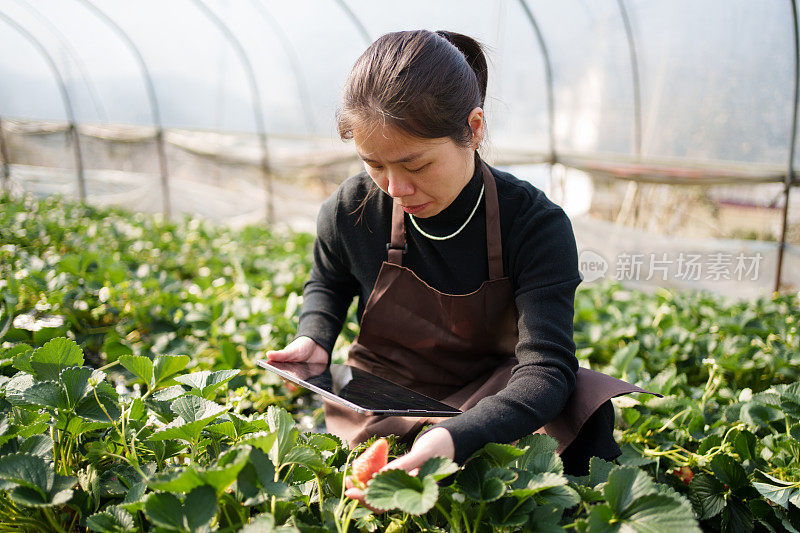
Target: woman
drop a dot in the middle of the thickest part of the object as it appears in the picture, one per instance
(465, 274)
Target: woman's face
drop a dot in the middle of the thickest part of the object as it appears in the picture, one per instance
(422, 175)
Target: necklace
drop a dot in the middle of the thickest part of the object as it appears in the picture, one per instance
(464, 225)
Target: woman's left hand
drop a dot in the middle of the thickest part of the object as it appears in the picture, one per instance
(436, 441)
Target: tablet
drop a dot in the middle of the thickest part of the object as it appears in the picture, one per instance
(359, 390)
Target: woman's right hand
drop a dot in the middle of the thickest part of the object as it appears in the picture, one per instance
(301, 350)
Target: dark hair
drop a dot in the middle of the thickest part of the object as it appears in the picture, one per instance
(422, 82)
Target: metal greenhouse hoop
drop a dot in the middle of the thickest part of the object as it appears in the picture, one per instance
(64, 42)
(257, 109)
(151, 96)
(62, 88)
(792, 138)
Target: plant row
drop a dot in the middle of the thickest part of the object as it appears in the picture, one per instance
(124, 300)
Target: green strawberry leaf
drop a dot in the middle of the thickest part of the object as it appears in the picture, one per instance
(205, 382)
(527, 484)
(776, 490)
(282, 425)
(545, 519)
(729, 472)
(134, 499)
(534, 445)
(76, 382)
(790, 400)
(395, 489)
(658, 512)
(192, 408)
(28, 497)
(510, 513)
(196, 511)
(14, 389)
(476, 482)
(323, 442)
(39, 445)
(265, 523)
(166, 510)
(27, 470)
(737, 516)
(707, 495)
(200, 507)
(167, 394)
(502, 454)
(562, 496)
(220, 474)
(140, 366)
(156, 371)
(258, 475)
(48, 361)
(625, 485)
(194, 413)
(34, 481)
(48, 394)
(104, 408)
(308, 457)
(112, 519)
(545, 462)
(760, 415)
(437, 467)
(166, 366)
(599, 470)
(21, 356)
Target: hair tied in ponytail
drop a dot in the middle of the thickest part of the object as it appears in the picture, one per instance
(473, 52)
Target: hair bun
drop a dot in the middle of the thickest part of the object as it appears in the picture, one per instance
(473, 53)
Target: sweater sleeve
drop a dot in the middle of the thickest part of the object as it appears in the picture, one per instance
(544, 266)
(331, 286)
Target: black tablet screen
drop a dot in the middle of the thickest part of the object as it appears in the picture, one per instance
(359, 390)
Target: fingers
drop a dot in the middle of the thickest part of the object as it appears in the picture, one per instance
(358, 494)
(299, 350)
(407, 462)
(355, 494)
(290, 354)
(281, 356)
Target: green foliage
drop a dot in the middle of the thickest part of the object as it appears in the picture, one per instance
(195, 511)
(107, 423)
(32, 482)
(395, 489)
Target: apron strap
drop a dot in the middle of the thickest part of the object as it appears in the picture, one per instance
(494, 246)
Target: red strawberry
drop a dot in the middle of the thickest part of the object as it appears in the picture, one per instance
(684, 473)
(372, 460)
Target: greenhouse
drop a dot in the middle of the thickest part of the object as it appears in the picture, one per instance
(178, 181)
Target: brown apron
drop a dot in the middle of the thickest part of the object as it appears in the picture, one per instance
(457, 349)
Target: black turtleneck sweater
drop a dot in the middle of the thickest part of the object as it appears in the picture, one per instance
(539, 257)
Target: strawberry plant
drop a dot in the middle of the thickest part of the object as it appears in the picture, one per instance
(79, 453)
(129, 400)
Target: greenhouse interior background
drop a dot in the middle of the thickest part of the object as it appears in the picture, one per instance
(666, 130)
(162, 167)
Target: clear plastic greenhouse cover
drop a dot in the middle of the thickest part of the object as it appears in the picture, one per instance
(716, 77)
(707, 90)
